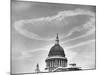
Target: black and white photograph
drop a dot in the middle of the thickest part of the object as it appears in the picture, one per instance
(52, 37)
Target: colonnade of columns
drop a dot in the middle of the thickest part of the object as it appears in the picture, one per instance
(56, 63)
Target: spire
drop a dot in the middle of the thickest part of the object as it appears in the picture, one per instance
(37, 70)
(57, 39)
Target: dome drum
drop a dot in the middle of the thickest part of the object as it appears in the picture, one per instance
(53, 58)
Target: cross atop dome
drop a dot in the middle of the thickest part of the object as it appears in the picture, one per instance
(57, 39)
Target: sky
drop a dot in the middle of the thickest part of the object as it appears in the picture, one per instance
(34, 26)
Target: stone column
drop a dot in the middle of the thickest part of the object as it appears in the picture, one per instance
(62, 62)
(53, 64)
(59, 62)
(66, 63)
(50, 63)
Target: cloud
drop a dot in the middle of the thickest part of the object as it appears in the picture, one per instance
(51, 21)
(82, 39)
(61, 15)
(88, 27)
(79, 37)
(18, 27)
(82, 43)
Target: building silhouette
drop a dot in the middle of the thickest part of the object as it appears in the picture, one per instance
(57, 60)
(56, 57)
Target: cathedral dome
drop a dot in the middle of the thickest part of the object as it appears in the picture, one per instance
(56, 50)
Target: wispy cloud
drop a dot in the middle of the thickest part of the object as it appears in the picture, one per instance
(52, 20)
(92, 31)
(88, 27)
(82, 43)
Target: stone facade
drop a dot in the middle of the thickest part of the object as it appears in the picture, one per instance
(56, 57)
